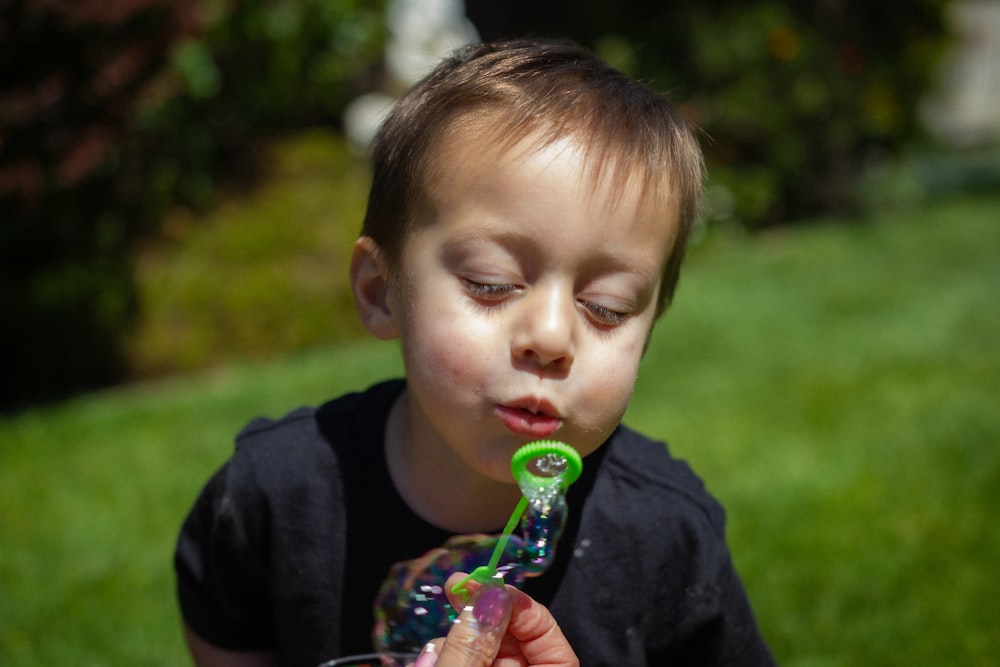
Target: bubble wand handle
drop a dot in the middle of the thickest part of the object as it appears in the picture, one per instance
(508, 530)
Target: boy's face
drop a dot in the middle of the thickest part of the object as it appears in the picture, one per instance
(523, 300)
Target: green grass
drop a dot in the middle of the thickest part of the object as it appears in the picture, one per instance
(92, 494)
(839, 388)
(836, 386)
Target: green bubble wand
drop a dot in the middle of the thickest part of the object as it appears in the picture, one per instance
(539, 467)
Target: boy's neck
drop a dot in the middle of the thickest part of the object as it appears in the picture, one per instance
(437, 487)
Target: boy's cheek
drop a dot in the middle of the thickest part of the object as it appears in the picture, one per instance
(449, 351)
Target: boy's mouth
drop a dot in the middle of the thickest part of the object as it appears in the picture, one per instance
(530, 417)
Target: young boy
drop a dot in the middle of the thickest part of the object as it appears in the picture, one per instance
(527, 219)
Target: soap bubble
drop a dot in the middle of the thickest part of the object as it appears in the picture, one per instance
(411, 607)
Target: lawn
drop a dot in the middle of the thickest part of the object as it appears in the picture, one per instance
(836, 385)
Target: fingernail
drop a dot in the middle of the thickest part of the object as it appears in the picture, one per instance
(491, 607)
(428, 656)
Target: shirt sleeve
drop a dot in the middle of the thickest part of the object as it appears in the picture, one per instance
(260, 557)
(716, 624)
(221, 563)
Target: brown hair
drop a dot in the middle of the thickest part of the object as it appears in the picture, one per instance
(523, 87)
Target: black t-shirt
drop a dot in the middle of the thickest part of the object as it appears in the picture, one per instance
(288, 543)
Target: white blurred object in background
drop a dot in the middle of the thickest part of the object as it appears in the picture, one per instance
(965, 108)
(421, 33)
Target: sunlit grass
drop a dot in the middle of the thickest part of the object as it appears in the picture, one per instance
(836, 386)
(92, 494)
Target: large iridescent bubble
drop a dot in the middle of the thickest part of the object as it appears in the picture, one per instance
(411, 607)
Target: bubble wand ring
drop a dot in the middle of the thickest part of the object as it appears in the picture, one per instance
(536, 466)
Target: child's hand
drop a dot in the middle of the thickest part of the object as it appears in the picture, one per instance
(501, 627)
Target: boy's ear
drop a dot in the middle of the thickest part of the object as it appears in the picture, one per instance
(370, 283)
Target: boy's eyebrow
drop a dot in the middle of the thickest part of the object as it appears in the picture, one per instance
(521, 243)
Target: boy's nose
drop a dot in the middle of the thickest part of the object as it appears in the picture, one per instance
(544, 330)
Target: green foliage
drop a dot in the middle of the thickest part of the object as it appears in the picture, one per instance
(259, 274)
(804, 96)
(110, 114)
(794, 98)
(254, 71)
(833, 384)
(74, 75)
(113, 113)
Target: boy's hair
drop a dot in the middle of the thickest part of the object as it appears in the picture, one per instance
(515, 89)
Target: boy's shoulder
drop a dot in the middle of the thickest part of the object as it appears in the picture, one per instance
(342, 415)
(310, 442)
(644, 472)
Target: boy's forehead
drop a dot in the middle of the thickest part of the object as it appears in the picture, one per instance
(471, 164)
(480, 146)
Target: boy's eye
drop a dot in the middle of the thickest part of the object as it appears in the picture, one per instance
(604, 316)
(488, 291)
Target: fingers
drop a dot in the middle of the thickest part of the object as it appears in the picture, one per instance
(429, 654)
(541, 641)
(474, 639)
(533, 637)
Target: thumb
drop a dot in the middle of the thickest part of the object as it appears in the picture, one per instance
(475, 637)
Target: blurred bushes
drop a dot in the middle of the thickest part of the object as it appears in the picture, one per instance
(75, 76)
(795, 99)
(112, 111)
(260, 274)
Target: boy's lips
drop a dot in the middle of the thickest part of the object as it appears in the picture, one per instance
(530, 417)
